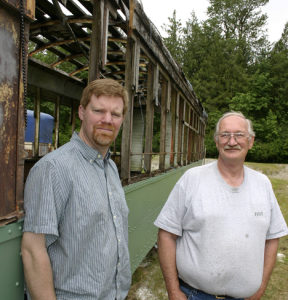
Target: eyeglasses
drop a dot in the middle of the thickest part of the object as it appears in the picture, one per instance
(238, 136)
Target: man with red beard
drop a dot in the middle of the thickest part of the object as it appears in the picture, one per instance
(75, 241)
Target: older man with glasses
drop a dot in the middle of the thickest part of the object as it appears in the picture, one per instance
(220, 227)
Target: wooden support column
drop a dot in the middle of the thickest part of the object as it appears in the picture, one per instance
(185, 132)
(149, 119)
(173, 126)
(74, 110)
(37, 122)
(131, 81)
(176, 128)
(96, 40)
(163, 125)
(180, 132)
(56, 122)
(189, 155)
(168, 134)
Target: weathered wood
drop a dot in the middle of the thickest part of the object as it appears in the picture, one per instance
(46, 78)
(74, 110)
(189, 154)
(164, 86)
(149, 119)
(104, 39)
(173, 120)
(185, 134)
(180, 132)
(96, 41)
(56, 123)
(132, 64)
(37, 121)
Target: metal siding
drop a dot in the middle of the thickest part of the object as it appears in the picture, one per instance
(145, 200)
(9, 67)
(11, 275)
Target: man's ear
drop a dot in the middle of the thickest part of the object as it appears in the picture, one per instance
(216, 142)
(81, 111)
(251, 141)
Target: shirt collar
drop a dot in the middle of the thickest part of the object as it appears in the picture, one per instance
(87, 151)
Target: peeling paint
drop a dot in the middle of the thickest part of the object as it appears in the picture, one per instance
(6, 93)
(8, 65)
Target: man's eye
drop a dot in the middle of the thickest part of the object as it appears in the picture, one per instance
(117, 115)
(239, 134)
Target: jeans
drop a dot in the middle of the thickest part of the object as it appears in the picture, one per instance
(193, 294)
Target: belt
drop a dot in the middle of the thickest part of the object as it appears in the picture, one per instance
(183, 283)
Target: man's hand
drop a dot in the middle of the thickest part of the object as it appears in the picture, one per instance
(177, 295)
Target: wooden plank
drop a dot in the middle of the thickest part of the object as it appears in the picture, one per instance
(164, 87)
(180, 132)
(173, 136)
(185, 133)
(105, 36)
(96, 41)
(74, 110)
(149, 119)
(130, 79)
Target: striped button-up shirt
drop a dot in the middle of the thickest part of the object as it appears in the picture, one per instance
(74, 196)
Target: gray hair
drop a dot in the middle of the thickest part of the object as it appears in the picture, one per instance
(237, 114)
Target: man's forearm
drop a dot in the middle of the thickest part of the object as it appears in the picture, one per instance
(167, 258)
(37, 270)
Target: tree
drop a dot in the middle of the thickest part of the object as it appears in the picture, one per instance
(173, 41)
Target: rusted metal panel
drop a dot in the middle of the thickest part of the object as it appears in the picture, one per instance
(9, 66)
(11, 113)
(28, 7)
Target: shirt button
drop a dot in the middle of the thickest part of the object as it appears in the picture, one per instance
(110, 194)
(114, 217)
(91, 161)
(98, 156)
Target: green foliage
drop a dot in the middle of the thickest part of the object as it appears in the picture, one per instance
(232, 66)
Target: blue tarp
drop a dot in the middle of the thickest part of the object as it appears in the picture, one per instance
(46, 127)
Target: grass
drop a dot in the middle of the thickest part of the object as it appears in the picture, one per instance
(148, 283)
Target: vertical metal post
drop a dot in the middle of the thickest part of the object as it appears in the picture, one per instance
(37, 122)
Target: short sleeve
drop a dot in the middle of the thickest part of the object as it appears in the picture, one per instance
(43, 201)
(278, 226)
(172, 213)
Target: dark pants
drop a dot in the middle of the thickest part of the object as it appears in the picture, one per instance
(194, 294)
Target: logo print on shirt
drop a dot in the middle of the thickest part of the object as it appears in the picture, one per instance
(259, 214)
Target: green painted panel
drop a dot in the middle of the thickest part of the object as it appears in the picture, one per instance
(145, 200)
(11, 270)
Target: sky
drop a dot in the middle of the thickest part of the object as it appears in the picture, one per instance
(158, 12)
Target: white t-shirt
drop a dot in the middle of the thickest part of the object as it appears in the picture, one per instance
(222, 229)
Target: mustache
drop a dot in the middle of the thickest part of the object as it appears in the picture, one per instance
(104, 126)
(227, 147)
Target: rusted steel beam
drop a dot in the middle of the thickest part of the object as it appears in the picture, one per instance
(11, 106)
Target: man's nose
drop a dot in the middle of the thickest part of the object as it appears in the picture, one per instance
(107, 117)
(232, 140)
